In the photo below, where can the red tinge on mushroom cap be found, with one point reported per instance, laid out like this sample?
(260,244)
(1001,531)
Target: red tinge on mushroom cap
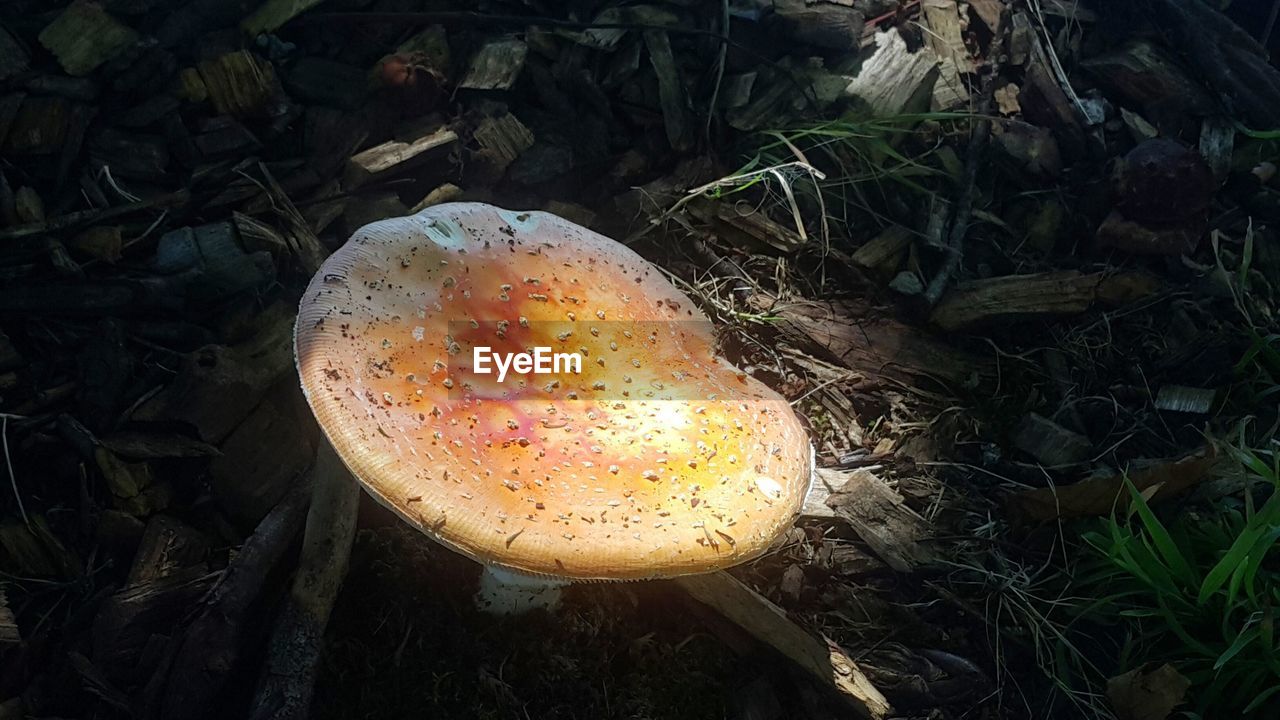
(658,459)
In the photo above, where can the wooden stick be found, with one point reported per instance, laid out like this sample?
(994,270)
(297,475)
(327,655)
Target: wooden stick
(202,657)
(768,623)
(288,679)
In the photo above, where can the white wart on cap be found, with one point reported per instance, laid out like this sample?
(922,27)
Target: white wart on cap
(659,459)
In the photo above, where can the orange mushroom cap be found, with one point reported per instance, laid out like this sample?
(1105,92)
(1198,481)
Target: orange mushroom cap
(657,459)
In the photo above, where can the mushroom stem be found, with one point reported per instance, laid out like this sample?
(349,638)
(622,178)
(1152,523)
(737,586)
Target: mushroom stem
(504,592)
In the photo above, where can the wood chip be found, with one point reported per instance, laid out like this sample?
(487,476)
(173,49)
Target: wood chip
(84,36)
(103,242)
(1147,693)
(1049,443)
(1043,99)
(155,446)
(9,634)
(238,83)
(1179,398)
(303,243)
(217,387)
(496,66)
(398,155)
(501,140)
(168,546)
(1217,143)
(988,11)
(448,192)
(884,251)
(36,551)
(39,126)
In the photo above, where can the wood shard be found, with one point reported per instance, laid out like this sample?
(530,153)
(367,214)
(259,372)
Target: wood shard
(882,251)
(894,79)
(1179,398)
(878,514)
(945,38)
(503,138)
(397,155)
(9,634)
(448,192)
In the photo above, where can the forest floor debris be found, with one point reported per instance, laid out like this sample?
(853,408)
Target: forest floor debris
(1017,265)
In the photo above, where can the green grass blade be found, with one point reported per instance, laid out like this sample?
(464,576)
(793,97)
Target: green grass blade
(1247,635)
(1262,697)
(1240,549)
(1164,543)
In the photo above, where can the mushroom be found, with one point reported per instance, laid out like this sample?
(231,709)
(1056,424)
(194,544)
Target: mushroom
(656,459)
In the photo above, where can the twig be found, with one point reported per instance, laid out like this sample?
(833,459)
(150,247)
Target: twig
(720,62)
(201,658)
(1055,64)
(85,217)
(303,243)
(978,141)
(13,479)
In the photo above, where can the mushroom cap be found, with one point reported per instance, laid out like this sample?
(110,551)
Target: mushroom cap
(658,459)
